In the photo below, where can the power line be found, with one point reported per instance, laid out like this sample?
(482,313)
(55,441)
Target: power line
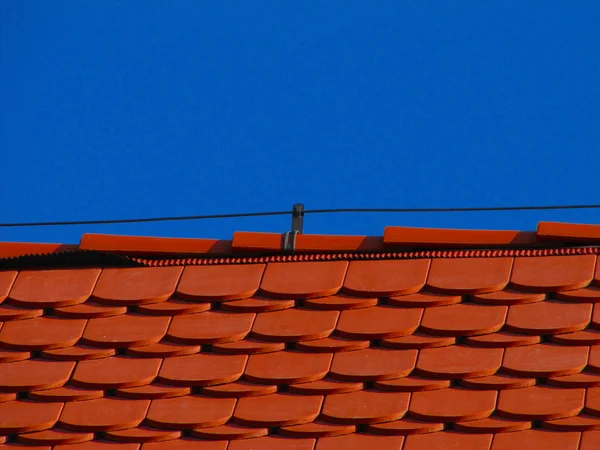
(308,211)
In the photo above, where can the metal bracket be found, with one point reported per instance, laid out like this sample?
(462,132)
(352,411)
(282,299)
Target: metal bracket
(289,238)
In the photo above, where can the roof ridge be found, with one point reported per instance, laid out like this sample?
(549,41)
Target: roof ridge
(548,234)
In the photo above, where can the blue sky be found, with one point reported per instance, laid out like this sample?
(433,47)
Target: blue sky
(119,109)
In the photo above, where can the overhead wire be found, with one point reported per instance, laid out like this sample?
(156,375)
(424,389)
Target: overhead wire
(308,211)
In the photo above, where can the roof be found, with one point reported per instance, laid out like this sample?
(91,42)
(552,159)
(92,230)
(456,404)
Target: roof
(418,339)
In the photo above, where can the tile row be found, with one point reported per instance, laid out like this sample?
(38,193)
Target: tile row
(472,411)
(549,317)
(492,367)
(298,280)
(171,440)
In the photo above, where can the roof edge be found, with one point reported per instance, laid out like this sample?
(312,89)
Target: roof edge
(548,234)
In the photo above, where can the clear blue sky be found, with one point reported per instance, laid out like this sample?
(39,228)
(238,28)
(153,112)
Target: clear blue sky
(118,109)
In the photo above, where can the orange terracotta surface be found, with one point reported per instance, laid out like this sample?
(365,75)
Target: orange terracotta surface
(439,349)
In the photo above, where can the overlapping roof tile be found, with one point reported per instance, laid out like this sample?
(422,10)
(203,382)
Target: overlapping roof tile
(420,339)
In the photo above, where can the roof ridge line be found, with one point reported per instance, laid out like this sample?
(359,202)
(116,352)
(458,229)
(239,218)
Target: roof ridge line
(86,258)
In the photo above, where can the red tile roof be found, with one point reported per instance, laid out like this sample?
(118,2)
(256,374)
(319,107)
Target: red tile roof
(420,339)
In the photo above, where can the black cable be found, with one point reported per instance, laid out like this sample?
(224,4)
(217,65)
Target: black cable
(308,211)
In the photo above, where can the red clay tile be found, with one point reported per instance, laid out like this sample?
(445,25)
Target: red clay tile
(418,340)
(248,347)
(252,241)
(540,403)
(54,437)
(447,237)
(378,322)
(77,353)
(163,350)
(116,372)
(340,302)
(238,389)
(65,394)
(404,426)
(272,443)
(53,288)
(412,384)
(230,431)
(373,364)
(424,300)
(356,441)
(492,425)
(31,374)
(136,286)
(210,327)
(325,387)
(12,356)
(287,367)
(12,249)
(548,317)
(128,330)
(457,361)
(173,307)
(589,440)
(41,333)
(181,444)
(594,358)
(452,404)
(331,344)
(498,381)
(463,320)
(89,310)
(103,414)
(99,445)
(8,397)
(592,401)
(502,339)
(278,409)
(303,279)
(187,412)
(582,422)
(257,304)
(363,407)
(142,434)
(568,232)
(7,279)
(587,295)
(153,245)
(224,282)
(553,273)
(596,317)
(544,360)
(153,391)
(25,416)
(448,440)
(202,369)
(9,312)
(508,297)
(576,380)
(294,325)
(469,275)
(316,430)
(387,277)
(535,439)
